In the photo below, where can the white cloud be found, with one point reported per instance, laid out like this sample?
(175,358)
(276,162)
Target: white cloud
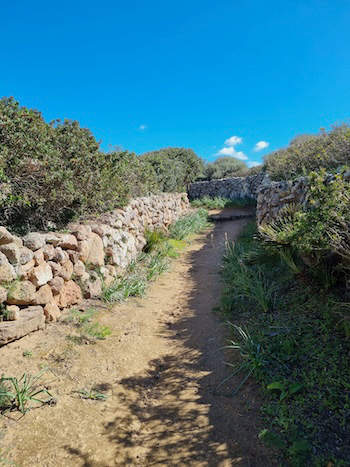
(142,127)
(253,164)
(230,151)
(260,145)
(233,141)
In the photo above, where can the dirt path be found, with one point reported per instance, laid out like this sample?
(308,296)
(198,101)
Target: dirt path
(159,368)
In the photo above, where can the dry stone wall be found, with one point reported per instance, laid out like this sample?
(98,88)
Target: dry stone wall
(230,188)
(274,196)
(45,272)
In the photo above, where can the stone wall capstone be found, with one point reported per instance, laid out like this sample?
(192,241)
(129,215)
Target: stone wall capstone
(229,188)
(44,272)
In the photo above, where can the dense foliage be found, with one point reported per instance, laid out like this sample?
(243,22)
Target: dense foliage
(225,167)
(53,172)
(290,331)
(318,231)
(329,150)
(174,168)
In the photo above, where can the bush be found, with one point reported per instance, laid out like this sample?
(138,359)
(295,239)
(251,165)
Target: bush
(56,171)
(321,227)
(225,167)
(174,168)
(329,150)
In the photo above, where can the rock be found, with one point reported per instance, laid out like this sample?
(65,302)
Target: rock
(51,238)
(56,268)
(12,252)
(5,236)
(73,256)
(41,274)
(17,240)
(7,271)
(21,293)
(79,268)
(66,270)
(83,249)
(60,255)
(39,257)
(43,295)
(67,241)
(16,254)
(49,252)
(3,294)
(26,255)
(24,269)
(80,231)
(34,241)
(52,312)
(12,312)
(93,287)
(30,319)
(56,284)
(91,250)
(70,294)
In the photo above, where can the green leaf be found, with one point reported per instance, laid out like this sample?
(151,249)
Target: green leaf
(276,386)
(271,439)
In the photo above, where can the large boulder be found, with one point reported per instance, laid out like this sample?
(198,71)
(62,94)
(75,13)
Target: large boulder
(43,295)
(5,236)
(91,250)
(7,271)
(21,293)
(70,294)
(34,241)
(41,274)
(30,319)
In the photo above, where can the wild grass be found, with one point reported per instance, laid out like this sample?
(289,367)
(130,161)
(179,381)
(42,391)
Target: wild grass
(221,203)
(21,393)
(155,258)
(189,224)
(87,325)
(291,337)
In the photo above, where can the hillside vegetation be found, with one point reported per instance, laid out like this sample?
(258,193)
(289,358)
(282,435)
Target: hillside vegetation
(53,172)
(328,149)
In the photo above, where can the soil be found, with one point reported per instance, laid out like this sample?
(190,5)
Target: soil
(160,369)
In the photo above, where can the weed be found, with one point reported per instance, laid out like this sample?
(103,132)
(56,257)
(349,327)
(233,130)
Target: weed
(83,320)
(19,393)
(27,353)
(92,395)
(124,287)
(189,224)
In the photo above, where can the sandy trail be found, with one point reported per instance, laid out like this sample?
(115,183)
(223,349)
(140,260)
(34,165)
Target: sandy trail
(159,368)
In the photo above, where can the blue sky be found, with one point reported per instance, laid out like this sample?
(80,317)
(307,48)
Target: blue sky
(149,74)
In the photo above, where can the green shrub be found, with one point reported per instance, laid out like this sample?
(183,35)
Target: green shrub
(320,227)
(53,172)
(329,150)
(225,167)
(174,168)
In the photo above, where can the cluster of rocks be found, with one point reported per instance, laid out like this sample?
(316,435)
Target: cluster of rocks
(229,188)
(43,273)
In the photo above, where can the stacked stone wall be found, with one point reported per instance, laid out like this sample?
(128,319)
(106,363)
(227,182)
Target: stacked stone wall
(45,272)
(229,188)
